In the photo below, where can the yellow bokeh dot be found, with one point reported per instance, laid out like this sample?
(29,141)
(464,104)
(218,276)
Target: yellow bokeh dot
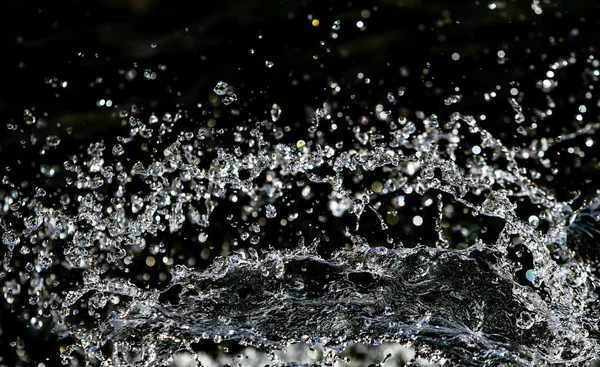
(315,22)
(376,186)
(392,219)
(300,143)
(150,261)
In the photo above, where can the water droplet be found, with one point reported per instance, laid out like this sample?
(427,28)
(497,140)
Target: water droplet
(275,112)
(11,238)
(270,211)
(452,99)
(221,88)
(33,222)
(47,170)
(39,192)
(390,97)
(149,74)
(52,140)
(10,289)
(118,149)
(229,99)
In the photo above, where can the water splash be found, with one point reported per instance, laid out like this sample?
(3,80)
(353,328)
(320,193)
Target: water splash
(465,304)
(527,296)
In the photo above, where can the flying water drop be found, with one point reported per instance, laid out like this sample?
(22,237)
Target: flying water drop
(275,112)
(221,88)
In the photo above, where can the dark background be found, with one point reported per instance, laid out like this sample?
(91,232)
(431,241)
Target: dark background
(94,44)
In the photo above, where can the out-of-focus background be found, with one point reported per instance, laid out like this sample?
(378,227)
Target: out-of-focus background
(70,67)
(61,59)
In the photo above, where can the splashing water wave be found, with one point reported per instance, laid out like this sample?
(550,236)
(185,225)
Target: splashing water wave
(528,296)
(465,304)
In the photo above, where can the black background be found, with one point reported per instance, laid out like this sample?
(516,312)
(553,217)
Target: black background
(201,43)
